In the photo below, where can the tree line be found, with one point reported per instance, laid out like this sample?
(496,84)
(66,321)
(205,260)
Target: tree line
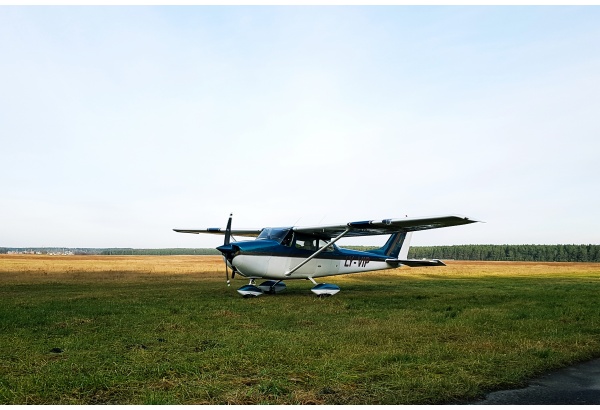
(168,251)
(533,253)
(111,251)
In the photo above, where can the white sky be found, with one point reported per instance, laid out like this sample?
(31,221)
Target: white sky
(118,124)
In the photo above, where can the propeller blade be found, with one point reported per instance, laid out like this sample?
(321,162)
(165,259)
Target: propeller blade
(228,231)
(227,241)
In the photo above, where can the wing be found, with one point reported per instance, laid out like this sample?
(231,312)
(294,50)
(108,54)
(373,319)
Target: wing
(221,231)
(386,226)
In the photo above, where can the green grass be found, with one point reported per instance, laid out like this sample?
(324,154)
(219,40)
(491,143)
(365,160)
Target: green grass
(423,337)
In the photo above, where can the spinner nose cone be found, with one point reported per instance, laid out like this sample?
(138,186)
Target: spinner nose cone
(225,248)
(228,249)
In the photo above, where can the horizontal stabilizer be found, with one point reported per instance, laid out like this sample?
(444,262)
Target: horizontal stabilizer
(413,263)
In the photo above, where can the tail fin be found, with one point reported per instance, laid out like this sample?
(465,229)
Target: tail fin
(403,254)
(396,246)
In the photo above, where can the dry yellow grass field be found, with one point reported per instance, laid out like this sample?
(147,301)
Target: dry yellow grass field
(36,267)
(32,267)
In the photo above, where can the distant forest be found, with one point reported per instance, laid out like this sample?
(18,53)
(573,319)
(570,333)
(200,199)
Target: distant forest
(534,253)
(171,251)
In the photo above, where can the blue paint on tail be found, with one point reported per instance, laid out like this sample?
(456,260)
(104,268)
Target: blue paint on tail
(394,245)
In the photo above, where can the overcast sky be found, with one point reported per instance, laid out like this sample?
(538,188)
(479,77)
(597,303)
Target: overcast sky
(118,124)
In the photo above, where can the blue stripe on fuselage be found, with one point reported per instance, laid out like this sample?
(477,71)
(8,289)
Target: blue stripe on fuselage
(273,248)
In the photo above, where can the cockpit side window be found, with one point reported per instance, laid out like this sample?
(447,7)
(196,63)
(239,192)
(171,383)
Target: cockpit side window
(311,243)
(322,243)
(288,239)
(306,243)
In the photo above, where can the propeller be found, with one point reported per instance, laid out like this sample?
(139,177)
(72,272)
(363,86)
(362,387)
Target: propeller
(226,242)
(228,231)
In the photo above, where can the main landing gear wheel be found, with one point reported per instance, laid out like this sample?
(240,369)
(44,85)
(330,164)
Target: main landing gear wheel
(325,289)
(272,287)
(269,287)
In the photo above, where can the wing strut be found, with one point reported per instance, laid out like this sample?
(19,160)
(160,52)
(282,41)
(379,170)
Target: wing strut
(301,264)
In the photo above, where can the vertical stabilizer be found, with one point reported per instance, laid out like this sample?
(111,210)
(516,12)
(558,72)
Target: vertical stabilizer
(405,245)
(397,244)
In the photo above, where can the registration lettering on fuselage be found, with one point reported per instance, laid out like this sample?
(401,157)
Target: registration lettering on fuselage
(360,261)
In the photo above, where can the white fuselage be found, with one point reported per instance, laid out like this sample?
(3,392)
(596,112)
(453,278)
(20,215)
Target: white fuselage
(275,267)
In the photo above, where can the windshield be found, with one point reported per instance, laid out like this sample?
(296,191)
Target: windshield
(274,234)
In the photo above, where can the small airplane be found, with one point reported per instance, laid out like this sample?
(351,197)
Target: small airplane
(278,254)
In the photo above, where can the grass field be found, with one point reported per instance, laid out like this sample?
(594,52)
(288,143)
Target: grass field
(154,330)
